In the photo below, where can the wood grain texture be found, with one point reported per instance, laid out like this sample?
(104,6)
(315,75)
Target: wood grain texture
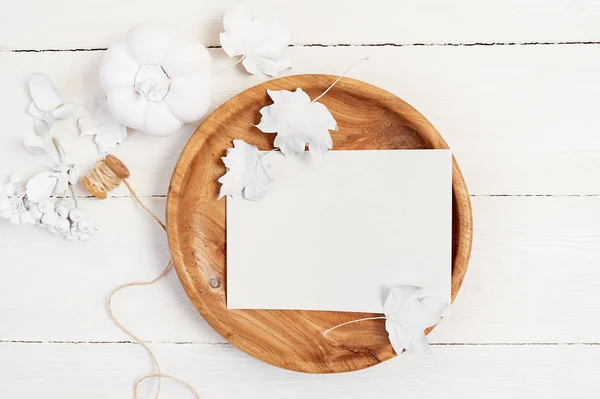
(73,24)
(52,290)
(522,120)
(106,371)
(368,118)
(510,142)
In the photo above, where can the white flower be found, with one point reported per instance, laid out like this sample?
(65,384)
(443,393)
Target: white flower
(298,122)
(260,41)
(409,311)
(247,173)
(107,131)
(47,103)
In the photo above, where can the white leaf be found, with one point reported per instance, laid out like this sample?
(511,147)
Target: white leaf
(62,182)
(106,130)
(41,186)
(298,122)
(409,311)
(247,172)
(64,111)
(260,41)
(43,93)
(36,144)
(36,112)
(42,121)
(47,103)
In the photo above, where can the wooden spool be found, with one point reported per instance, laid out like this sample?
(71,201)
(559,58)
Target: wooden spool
(118,168)
(368,118)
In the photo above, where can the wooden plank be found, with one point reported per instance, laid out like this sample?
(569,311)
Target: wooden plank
(519,119)
(39,24)
(532,277)
(109,371)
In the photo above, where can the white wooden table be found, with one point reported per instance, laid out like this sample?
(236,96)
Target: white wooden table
(513,86)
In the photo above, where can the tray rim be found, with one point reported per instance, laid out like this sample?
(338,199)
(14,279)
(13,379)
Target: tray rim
(459,189)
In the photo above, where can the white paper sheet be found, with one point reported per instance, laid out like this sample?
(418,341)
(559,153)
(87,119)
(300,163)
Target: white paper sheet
(335,235)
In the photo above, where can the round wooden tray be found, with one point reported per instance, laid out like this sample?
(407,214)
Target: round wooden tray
(368,118)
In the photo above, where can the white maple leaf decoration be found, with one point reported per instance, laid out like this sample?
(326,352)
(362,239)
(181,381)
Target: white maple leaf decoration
(47,105)
(409,311)
(107,131)
(247,172)
(298,122)
(260,41)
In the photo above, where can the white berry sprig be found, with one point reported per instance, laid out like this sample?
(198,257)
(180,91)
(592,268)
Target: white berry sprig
(43,202)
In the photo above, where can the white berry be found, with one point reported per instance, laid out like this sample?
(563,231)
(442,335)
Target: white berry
(83,225)
(76,214)
(27,219)
(6,214)
(35,213)
(15,219)
(10,188)
(63,226)
(46,206)
(62,211)
(50,219)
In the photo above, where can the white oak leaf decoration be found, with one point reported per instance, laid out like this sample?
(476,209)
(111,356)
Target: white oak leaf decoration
(107,131)
(47,105)
(247,172)
(260,41)
(409,311)
(298,122)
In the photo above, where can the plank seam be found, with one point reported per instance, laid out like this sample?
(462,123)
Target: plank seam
(125,342)
(470,195)
(535,195)
(227,344)
(449,44)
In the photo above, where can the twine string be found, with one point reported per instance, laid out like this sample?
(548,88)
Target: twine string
(135,196)
(159,376)
(351,322)
(229,66)
(340,77)
(105,179)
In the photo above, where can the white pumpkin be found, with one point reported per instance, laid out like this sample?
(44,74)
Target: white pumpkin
(155,80)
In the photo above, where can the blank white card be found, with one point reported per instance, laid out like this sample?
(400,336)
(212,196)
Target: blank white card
(336,235)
